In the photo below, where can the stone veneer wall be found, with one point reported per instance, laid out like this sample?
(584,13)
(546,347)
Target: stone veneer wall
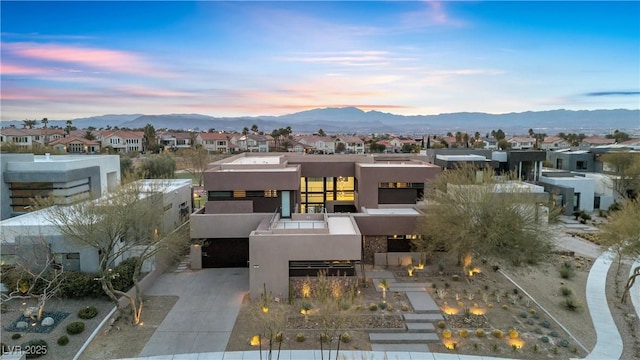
(372,245)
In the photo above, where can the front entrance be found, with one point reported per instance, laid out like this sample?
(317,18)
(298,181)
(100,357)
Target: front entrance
(224,253)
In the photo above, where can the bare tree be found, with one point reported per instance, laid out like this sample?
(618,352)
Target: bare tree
(35,275)
(624,167)
(196,161)
(125,223)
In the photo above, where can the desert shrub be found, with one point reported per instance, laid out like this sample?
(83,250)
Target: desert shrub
(35,348)
(535,348)
(524,314)
(532,311)
(564,343)
(513,334)
(88,312)
(536,316)
(373,307)
(571,304)
(544,339)
(545,324)
(464,333)
(497,333)
(567,271)
(382,305)
(279,337)
(446,285)
(565,291)
(530,322)
(446,334)
(389,308)
(75,328)
(442,324)
(16,336)
(345,338)
(324,338)
(63,340)
(505,307)
(554,333)
(480,333)
(300,337)
(405,307)
(538,331)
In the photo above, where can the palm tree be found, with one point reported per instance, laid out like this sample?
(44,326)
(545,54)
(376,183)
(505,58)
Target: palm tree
(28,124)
(89,135)
(245,130)
(67,129)
(254,128)
(45,122)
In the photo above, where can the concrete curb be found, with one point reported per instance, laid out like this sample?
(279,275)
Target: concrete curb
(94,333)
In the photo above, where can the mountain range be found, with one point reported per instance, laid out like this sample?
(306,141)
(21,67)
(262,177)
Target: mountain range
(354,120)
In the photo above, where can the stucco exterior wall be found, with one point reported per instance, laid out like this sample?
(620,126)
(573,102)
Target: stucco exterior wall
(205,226)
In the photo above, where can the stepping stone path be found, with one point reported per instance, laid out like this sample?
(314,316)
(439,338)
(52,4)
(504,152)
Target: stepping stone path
(420,325)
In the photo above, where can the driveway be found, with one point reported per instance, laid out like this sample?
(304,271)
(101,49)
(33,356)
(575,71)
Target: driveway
(203,317)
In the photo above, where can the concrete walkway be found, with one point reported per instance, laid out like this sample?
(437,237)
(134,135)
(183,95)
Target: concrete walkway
(316,355)
(204,316)
(608,343)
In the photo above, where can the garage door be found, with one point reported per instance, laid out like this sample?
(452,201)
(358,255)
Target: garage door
(221,253)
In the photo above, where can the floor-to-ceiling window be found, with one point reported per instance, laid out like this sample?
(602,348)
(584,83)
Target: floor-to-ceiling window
(316,191)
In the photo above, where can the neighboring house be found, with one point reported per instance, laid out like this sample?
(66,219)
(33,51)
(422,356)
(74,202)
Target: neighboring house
(175,140)
(16,137)
(292,214)
(34,228)
(522,143)
(576,160)
(593,141)
(352,144)
(571,191)
(64,178)
(554,143)
(298,147)
(318,144)
(490,143)
(76,145)
(253,143)
(213,142)
(123,141)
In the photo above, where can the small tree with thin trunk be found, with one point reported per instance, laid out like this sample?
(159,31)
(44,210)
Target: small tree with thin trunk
(123,224)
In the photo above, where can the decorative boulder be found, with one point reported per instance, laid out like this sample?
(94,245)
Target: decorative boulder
(48,321)
(22,325)
(30,311)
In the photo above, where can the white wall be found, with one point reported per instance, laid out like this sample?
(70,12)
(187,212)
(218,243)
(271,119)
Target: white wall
(583,185)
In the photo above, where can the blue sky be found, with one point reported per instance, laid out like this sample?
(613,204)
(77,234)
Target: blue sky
(65,60)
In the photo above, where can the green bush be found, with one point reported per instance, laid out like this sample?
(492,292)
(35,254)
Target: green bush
(545,324)
(80,285)
(300,337)
(16,336)
(382,305)
(88,312)
(75,328)
(63,340)
(554,333)
(373,307)
(35,348)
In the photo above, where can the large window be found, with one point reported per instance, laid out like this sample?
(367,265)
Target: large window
(316,191)
(581,165)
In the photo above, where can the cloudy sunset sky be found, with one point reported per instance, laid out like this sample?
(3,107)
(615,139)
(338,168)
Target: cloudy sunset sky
(65,60)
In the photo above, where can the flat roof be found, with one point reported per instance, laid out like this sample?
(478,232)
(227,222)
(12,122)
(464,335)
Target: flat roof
(340,225)
(248,160)
(284,169)
(393,164)
(392,211)
(300,224)
(469,157)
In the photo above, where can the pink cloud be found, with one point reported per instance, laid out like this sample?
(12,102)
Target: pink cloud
(95,58)
(13,69)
